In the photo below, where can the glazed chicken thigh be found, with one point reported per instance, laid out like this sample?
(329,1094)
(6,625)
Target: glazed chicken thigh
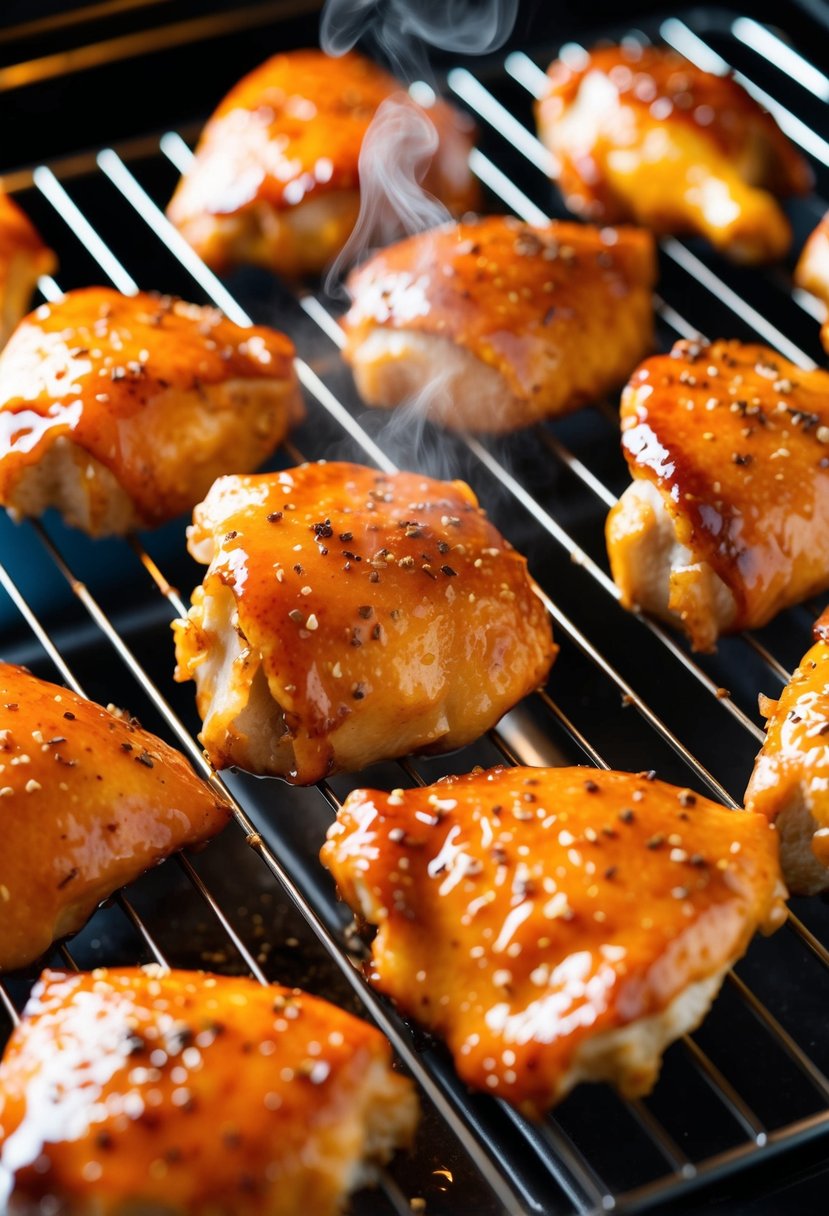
(349,616)
(88,801)
(554,925)
(790,782)
(144,1091)
(493,324)
(727,519)
(642,134)
(275,180)
(23,259)
(122,410)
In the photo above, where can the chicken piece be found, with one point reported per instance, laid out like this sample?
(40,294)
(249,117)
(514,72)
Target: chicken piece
(641,134)
(554,925)
(23,259)
(727,519)
(349,616)
(812,270)
(122,410)
(275,180)
(493,324)
(89,801)
(140,1090)
(790,782)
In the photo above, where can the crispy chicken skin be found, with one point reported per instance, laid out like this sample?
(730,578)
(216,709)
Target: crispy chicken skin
(122,410)
(727,519)
(349,616)
(275,180)
(790,782)
(641,134)
(812,270)
(184,1094)
(23,259)
(554,925)
(493,324)
(88,801)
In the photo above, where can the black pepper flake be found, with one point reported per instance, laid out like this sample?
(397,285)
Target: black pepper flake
(231,535)
(355,639)
(323,530)
(697,859)
(296,616)
(298,568)
(591,787)
(13,707)
(365,611)
(443,546)
(374,577)
(611,872)
(376,633)
(686,798)
(448,571)
(655,842)
(274,517)
(610,832)
(346,536)
(67,878)
(627,815)
(739,458)
(358,692)
(126,747)
(146,759)
(69,715)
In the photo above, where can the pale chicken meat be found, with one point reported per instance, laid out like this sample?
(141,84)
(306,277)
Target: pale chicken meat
(145,1091)
(88,801)
(790,782)
(554,925)
(275,180)
(349,616)
(492,324)
(727,519)
(122,410)
(812,270)
(641,134)
(23,259)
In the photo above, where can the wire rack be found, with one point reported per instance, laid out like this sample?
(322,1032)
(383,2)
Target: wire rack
(625,691)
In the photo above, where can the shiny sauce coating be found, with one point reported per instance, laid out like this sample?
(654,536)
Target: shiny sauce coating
(737,439)
(522,911)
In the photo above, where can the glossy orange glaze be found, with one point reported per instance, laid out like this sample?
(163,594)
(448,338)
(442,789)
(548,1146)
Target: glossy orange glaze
(291,131)
(136,1090)
(793,764)
(812,270)
(23,259)
(521,911)
(562,311)
(88,800)
(120,377)
(641,133)
(385,610)
(737,439)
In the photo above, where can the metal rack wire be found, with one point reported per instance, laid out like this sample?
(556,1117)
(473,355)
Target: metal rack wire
(554,1166)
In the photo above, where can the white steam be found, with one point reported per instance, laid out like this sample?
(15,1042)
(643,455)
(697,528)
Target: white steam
(403,29)
(395,156)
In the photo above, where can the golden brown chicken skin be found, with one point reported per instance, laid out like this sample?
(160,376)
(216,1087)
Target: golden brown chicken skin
(88,801)
(275,180)
(122,410)
(790,782)
(23,259)
(554,925)
(727,519)
(642,134)
(191,1095)
(349,616)
(494,324)
(812,270)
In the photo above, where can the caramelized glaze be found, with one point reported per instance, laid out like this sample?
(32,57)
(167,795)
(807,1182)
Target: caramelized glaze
(792,769)
(385,611)
(289,133)
(561,312)
(642,134)
(737,440)
(195,1095)
(88,801)
(23,259)
(141,384)
(522,912)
